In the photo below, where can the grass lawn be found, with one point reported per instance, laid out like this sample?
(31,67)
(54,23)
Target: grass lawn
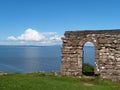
(47,81)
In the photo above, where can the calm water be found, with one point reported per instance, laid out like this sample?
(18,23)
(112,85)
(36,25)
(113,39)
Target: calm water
(89,54)
(31,59)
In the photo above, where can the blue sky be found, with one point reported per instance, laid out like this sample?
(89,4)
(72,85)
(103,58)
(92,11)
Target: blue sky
(49,19)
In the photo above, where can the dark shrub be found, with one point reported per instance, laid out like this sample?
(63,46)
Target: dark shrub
(88,69)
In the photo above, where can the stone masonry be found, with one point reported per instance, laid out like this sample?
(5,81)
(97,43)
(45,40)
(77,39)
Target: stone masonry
(107,54)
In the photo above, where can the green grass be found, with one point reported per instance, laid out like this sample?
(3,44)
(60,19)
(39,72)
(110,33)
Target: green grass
(47,81)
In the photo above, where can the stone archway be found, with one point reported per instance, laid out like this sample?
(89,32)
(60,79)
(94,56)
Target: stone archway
(107,44)
(89,59)
(90,38)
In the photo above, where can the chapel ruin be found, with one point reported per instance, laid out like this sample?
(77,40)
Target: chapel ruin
(107,53)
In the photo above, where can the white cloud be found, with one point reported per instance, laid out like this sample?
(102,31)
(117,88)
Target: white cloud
(28,35)
(34,37)
(11,38)
(31,35)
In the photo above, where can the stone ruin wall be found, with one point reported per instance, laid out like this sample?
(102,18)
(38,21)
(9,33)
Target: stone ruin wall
(107,54)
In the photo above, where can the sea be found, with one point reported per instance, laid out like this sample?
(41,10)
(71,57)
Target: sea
(25,59)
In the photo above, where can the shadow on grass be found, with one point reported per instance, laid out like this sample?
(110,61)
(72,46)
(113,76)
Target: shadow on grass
(88,73)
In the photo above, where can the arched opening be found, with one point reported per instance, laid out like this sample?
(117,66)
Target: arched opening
(88,59)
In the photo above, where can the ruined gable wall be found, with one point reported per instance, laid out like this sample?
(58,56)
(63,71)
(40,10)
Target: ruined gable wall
(107,59)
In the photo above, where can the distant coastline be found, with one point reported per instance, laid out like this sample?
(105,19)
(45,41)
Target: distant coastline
(30,45)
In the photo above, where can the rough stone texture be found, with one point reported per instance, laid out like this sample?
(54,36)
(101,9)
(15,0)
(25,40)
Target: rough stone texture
(107,58)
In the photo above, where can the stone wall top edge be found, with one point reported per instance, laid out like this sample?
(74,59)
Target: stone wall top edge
(113,31)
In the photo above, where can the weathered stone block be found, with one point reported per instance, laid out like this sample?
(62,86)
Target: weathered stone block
(118,59)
